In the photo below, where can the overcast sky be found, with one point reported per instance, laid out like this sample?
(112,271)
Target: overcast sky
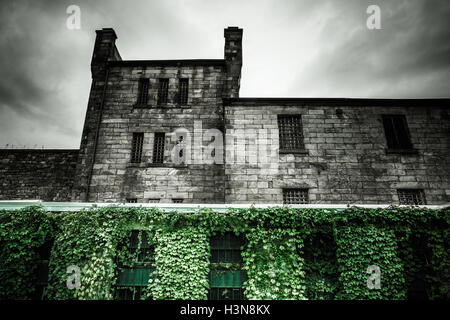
(291,48)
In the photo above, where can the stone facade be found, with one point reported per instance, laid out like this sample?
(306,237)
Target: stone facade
(46,175)
(344,160)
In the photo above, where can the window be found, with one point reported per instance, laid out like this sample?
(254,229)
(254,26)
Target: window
(177,200)
(42,271)
(295,196)
(183,91)
(290,133)
(134,277)
(226,276)
(136,148)
(163,91)
(153,200)
(396,131)
(158,147)
(143,92)
(132,200)
(411,196)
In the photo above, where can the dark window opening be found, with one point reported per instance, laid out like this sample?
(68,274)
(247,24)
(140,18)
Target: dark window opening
(295,196)
(320,264)
(143,92)
(416,256)
(132,200)
(177,200)
(411,197)
(226,277)
(183,91)
(134,277)
(158,147)
(163,91)
(396,131)
(42,271)
(290,132)
(136,147)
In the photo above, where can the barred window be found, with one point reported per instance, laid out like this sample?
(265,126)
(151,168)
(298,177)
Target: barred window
(183,91)
(290,132)
(143,91)
(295,196)
(396,131)
(132,200)
(226,276)
(134,275)
(411,196)
(177,200)
(163,91)
(158,147)
(136,148)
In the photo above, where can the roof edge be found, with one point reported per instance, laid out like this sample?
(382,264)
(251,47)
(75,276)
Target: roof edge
(178,62)
(361,102)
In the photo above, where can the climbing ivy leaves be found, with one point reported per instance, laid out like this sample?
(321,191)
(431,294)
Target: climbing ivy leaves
(288,253)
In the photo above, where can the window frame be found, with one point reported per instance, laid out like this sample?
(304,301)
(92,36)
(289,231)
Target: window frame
(142,95)
(303,191)
(411,194)
(138,245)
(163,91)
(159,148)
(285,136)
(392,133)
(183,92)
(229,267)
(137,147)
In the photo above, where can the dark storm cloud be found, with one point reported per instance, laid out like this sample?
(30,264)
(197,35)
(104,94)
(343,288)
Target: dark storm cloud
(305,48)
(408,58)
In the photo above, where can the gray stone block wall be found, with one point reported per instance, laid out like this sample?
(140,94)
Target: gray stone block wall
(345,160)
(46,175)
(115,178)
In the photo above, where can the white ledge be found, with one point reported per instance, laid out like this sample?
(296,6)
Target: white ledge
(190,207)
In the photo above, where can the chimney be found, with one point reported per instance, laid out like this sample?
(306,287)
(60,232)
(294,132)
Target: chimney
(233,58)
(104,50)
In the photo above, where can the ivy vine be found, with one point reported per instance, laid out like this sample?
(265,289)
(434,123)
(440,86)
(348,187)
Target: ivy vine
(288,253)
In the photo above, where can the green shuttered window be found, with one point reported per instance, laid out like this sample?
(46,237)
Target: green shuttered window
(132,280)
(226,277)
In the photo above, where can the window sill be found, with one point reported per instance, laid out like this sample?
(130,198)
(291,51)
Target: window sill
(155,165)
(402,151)
(166,165)
(142,106)
(293,151)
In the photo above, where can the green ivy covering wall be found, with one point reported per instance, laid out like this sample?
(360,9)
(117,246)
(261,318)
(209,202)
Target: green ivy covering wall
(288,253)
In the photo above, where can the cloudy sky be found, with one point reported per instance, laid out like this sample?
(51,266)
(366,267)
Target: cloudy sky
(291,48)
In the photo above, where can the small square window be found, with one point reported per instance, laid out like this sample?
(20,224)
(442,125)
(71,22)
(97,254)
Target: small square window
(295,196)
(411,197)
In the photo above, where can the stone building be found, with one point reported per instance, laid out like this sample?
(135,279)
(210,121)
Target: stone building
(177,131)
